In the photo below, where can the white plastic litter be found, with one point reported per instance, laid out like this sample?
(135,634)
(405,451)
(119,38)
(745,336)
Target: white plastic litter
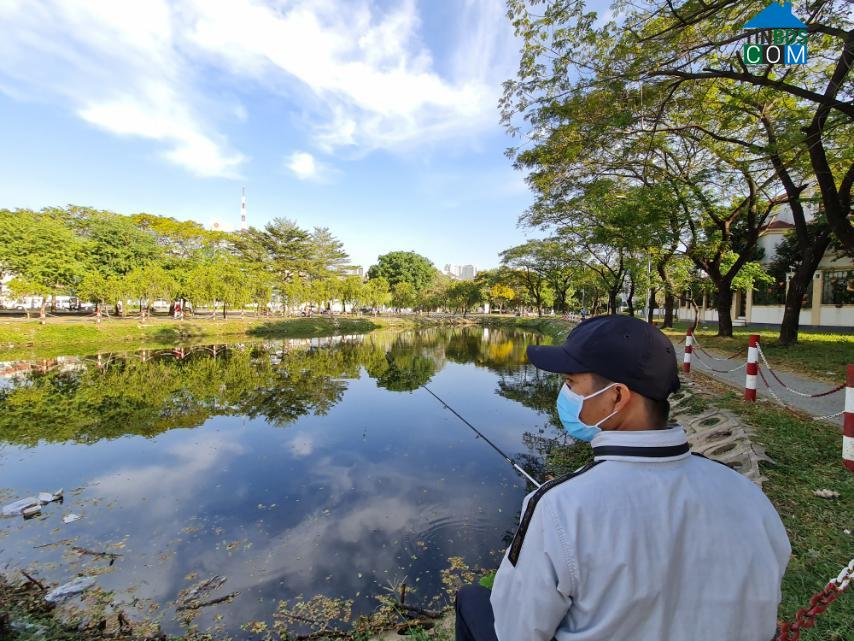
(17,508)
(23,505)
(826,494)
(70,518)
(70,589)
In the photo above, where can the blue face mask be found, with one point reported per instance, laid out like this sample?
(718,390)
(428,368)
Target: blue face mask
(569,406)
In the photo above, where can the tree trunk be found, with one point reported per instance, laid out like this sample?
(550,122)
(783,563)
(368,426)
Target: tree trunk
(798,285)
(650,305)
(223,310)
(631,301)
(612,301)
(723,303)
(669,303)
(669,297)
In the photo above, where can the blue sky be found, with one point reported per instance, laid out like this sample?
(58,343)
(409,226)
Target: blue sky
(377,119)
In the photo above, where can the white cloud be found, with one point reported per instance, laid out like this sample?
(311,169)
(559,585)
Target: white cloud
(306,167)
(119,67)
(356,76)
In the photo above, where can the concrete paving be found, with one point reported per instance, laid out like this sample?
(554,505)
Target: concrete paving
(822,406)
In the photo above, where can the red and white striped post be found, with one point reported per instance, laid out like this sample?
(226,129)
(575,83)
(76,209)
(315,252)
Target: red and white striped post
(689,347)
(752,368)
(848,425)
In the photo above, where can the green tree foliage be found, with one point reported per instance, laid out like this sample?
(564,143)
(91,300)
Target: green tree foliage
(404,267)
(44,253)
(464,295)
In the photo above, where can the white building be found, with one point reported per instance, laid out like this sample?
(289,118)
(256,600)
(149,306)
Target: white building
(829,300)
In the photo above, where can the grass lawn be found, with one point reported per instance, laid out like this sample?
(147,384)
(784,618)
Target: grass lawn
(807,456)
(822,355)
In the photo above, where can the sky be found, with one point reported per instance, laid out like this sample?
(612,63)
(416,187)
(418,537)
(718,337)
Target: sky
(375,118)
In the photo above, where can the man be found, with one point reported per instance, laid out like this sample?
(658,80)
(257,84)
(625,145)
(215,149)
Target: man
(648,542)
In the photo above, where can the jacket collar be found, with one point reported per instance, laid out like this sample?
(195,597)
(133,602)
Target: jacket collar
(641,446)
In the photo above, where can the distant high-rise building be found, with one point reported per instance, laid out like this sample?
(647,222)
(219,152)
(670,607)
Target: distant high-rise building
(354,270)
(243,223)
(462,272)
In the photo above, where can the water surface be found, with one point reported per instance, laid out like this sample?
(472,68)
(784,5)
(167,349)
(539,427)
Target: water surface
(315,466)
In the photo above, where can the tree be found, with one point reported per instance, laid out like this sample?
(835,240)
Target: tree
(403,295)
(149,283)
(328,257)
(501,295)
(295,292)
(282,246)
(43,252)
(116,245)
(524,260)
(377,293)
(352,291)
(466,294)
(680,49)
(404,267)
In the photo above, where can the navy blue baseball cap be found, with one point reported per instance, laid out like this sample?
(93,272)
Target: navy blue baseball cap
(623,349)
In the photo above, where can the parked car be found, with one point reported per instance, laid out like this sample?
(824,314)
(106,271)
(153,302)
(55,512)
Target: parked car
(160,306)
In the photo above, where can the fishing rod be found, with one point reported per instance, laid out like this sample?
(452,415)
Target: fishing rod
(473,428)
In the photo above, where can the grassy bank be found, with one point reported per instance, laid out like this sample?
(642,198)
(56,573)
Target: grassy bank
(22,338)
(551,326)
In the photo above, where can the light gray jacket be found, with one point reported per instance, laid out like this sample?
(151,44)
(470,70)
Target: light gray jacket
(651,543)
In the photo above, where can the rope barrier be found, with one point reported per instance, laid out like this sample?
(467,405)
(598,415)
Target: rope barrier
(727,358)
(794,391)
(805,617)
(719,371)
(782,403)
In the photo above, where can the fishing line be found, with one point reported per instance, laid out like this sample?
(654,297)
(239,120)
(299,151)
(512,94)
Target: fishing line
(476,431)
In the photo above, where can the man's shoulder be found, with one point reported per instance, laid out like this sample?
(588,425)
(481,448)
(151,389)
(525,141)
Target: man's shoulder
(555,487)
(544,493)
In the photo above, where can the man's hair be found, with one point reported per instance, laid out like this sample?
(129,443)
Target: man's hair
(658,411)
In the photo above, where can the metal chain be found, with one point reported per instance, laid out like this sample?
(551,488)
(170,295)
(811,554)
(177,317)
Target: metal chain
(719,371)
(768,387)
(824,418)
(805,617)
(794,391)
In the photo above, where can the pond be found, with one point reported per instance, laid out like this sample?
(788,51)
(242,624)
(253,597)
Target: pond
(289,467)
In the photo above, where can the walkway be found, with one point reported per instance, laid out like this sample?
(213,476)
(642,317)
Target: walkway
(821,406)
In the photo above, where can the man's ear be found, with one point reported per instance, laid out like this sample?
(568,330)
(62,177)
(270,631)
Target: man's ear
(624,396)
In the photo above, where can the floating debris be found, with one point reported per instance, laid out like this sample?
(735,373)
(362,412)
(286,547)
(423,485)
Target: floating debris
(32,511)
(70,589)
(17,508)
(70,518)
(30,506)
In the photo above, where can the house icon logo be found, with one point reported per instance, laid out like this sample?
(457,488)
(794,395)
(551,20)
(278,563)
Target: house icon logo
(775,36)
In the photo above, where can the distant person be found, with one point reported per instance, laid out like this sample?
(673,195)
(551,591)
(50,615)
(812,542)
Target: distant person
(583,313)
(646,543)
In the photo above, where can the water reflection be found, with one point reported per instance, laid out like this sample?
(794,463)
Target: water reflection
(179,460)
